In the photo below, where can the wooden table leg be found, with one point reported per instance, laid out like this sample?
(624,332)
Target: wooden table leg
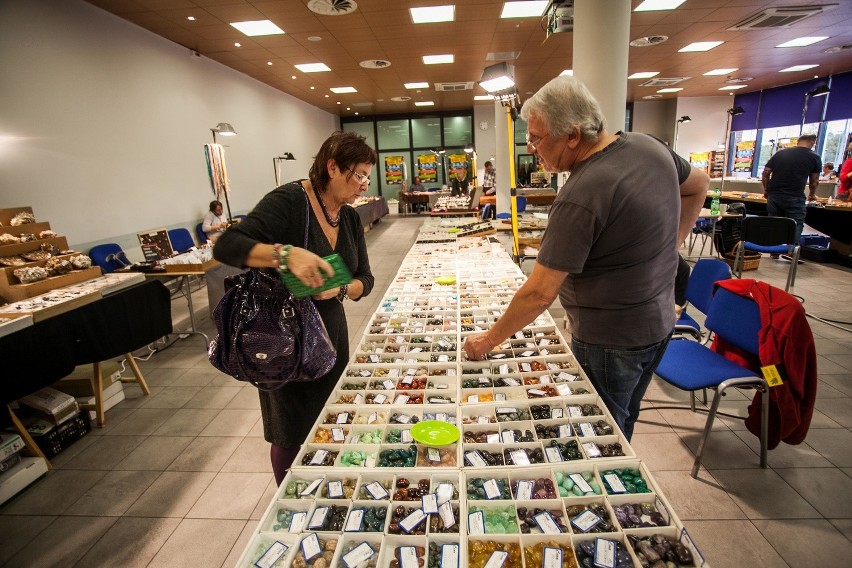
(137,373)
(25,436)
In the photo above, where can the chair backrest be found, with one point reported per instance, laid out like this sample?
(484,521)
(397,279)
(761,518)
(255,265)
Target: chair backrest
(486,211)
(769,231)
(181,239)
(474,198)
(99,254)
(522,203)
(199,232)
(705,274)
(734,318)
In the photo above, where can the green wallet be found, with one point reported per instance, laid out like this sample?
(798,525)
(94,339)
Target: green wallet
(341,276)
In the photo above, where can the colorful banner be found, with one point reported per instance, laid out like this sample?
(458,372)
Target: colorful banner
(458,162)
(427,168)
(744,156)
(393,170)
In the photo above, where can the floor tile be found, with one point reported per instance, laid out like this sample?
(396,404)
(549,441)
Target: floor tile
(265,500)
(105,452)
(833,444)
(172,494)
(130,542)
(734,544)
(112,495)
(804,543)
(252,455)
(195,377)
(205,454)
(827,366)
(785,455)
(155,453)
(113,417)
(186,422)
(77,535)
(701,498)
(842,359)
(662,451)
(820,420)
(143,422)
(651,421)
(240,545)
(53,493)
(723,449)
(170,397)
(246,399)
(842,383)
(18,530)
(829,490)
(230,496)
(844,526)
(191,544)
(160,377)
(837,409)
(72,451)
(213,397)
(763,494)
(231,422)
(256,430)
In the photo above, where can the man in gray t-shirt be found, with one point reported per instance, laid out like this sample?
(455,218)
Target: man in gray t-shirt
(610,249)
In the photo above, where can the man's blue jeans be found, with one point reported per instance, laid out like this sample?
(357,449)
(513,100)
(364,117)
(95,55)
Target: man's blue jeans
(792,206)
(620,375)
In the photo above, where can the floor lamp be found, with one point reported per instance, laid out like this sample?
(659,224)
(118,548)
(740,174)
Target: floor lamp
(681,120)
(224,129)
(732,112)
(276,165)
(819,91)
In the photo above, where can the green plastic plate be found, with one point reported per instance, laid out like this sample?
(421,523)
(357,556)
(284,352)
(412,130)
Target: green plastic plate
(454,230)
(446,280)
(434,433)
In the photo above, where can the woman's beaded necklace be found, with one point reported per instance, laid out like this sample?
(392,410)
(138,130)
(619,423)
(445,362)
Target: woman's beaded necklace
(331,221)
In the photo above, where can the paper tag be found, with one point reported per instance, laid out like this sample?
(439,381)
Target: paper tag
(337,434)
(492,489)
(506,410)
(575,411)
(661,508)
(439,400)
(565,431)
(546,523)
(507,437)
(615,484)
(441,417)
(581,482)
(394,373)
(335,489)
(556,413)
(586,521)
(476,523)
(449,554)
(563,389)
(500,397)
(552,557)
(504,369)
(311,547)
(497,560)
(272,555)
(496,355)
(353,523)
(444,492)
(592,450)
(553,454)
(311,488)
(686,540)
(445,511)
(407,379)
(527,353)
(357,555)
(519,335)
(484,381)
(545,379)
(443,358)
(526,367)
(524,491)
(475,459)
(605,553)
(359,398)
(566,377)
(388,384)
(406,437)
(403,418)
(444,343)
(483,420)
(492,438)
(410,372)
(374,358)
(544,341)
(772,376)
(410,522)
(586,429)
(400,399)
(433,455)
(399,339)
(429,503)
(417,350)
(365,373)
(408,557)
(519,457)
(376,490)
(473,398)
(380,398)
(510,382)
(342,418)
(318,518)
(297,522)
(372,418)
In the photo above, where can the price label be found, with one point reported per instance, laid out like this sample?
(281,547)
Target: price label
(581,482)
(272,555)
(399,339)
(586,429)
(376,490)
(605,553)
(406,437)
(407,379)
(441,417)
(496,355)
(686,540)
(475,459)
(519,457)
(311,547)
(504,369)
(403,418)
(615,484)
(537,392)
(443,358)
(380,398)
(497,559)
(556,413)
(492,489)
(519,335)
(543,341)
(492,438)
(476,523)
(343,418)
(433,455)
(592,450)
(527,353)
(444,492)
(408,557)
(312,487)
(449,555)
(394,373)
(482,420)
(359,398)
(355,520)
(566,377)
(400,399)
(586,521)
(500,397)
(365,373)
(563,389)
(335,489)
(388,384)
(374,358)
(575,411)
(473,398)
(372,418)
(661,508)
(524,491)
(297,522)
(552,557)
(506,410)
(318,518)
(565,431)
(507,437)
(417,350)
(439,400)
(484,381)
(429,503)
(553,454)
(546,523)
(410,522)
(526,367)
(337,434)
(445,511)
(545,379)
(357,555)
(510,382)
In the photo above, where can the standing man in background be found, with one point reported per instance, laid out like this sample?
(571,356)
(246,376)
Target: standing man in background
(784,179)
(489,179)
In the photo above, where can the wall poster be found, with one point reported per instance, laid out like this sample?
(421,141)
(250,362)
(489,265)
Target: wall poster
(458,162)
(427,168)
(393,170)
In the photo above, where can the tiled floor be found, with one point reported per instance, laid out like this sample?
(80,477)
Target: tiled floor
(180,478)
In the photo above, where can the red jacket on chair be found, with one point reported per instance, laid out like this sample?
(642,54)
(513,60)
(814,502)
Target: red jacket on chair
(784,340)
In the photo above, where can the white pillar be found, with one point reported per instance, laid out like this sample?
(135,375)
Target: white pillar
(601,43)
(502,138)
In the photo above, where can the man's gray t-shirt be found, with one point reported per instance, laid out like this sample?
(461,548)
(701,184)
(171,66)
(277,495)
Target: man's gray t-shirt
(613,228)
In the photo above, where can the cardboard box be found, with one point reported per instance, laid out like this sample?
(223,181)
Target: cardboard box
(55,404)
(21,475)
(10,443)
(79,382)
(110,399)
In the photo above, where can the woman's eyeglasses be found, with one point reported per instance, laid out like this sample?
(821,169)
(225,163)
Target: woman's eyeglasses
(361,178)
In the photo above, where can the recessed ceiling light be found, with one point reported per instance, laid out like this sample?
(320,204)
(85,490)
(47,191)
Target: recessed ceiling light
(802,41)
(532,9)
(191,18)
(417,85)
(732,87)
(347,108)
(258,28)
(435,59)
(339,90)
(356,113)
(327,96)
(424,103)
(797,68)
(644,75)
(269,63)
(653,5)
(237,44)
(314,38)
(722,71)
(312,67)
(433,14)
(670,90)
(700,46)
(569,72)
(338,102)
(312,88)
(483,98)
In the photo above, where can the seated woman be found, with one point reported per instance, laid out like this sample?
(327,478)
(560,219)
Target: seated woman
(213,223)
(828,173)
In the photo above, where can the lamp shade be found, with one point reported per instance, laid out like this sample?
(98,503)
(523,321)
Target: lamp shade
(736,110)
(469,149)
(287,156)
(498,77)
(225,129)
(684,118)
(819,91)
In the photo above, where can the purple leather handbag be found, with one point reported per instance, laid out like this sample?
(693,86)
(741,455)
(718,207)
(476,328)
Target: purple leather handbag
(265,336)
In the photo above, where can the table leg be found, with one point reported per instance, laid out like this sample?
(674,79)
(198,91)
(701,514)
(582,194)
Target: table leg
(25,436)
(192,328)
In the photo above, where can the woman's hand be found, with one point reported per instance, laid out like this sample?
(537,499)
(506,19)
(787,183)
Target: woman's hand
(477,346)
(309,268)
(327,295)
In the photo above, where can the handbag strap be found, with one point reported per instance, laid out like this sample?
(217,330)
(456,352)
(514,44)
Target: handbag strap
(307,216)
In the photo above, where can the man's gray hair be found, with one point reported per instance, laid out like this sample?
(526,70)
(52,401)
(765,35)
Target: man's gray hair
(563,104)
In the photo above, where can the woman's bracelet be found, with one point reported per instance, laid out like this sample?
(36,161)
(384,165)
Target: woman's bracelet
(281,253)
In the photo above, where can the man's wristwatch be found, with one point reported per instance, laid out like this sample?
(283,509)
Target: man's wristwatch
(342,293)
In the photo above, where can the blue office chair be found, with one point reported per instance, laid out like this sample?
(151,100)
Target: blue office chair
(522,203)
(772,235)
(199,232)
(691,366)
(181,239)
(109,257)
(699,293)
(486,211)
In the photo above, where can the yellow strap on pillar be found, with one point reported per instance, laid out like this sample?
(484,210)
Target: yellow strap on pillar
(516,250)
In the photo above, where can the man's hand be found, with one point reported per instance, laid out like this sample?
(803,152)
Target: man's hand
(477,346)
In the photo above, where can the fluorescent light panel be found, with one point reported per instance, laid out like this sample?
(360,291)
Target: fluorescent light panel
(258,28)
(569,72)
(432,14)
(436,59)
(722,71)
(802,41)
(670,90)
(483,98)
(497,84)
(732,87)
(644,75)
(312,67)
(654,5)
(340,90)
(795,68)
(417,85)
(700,46)
(532,9)
(424,103)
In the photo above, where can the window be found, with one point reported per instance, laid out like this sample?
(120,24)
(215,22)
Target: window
(457,131)
(426,132)
(365,129)
(836,134)
(393,134)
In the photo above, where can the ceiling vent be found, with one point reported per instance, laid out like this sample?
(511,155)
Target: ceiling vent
(362,104)
(454,86)
(735,80)
(375,64)
(664,81)
(502,55)
(400,99)
(332,7)
(779,17)
(648,40)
